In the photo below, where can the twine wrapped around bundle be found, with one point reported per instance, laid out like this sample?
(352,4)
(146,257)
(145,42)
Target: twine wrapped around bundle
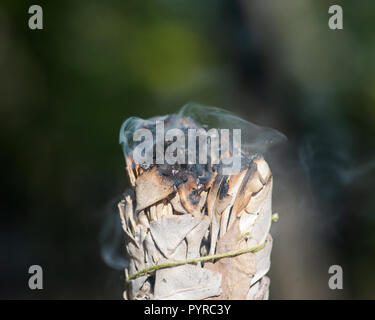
(193,233)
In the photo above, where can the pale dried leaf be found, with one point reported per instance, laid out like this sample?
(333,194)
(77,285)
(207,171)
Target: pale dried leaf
(260,290)
(262,261)
(237,271)
(195,236)
(259,229)
(169,232)
(151,187)
(176,203)
(186,282)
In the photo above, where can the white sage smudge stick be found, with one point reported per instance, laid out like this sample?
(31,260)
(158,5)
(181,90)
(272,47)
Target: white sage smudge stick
(192,232)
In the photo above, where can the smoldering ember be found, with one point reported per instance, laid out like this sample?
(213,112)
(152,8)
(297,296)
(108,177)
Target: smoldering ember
(170,147)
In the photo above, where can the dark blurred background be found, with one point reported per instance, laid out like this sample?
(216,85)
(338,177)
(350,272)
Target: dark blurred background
(66,89)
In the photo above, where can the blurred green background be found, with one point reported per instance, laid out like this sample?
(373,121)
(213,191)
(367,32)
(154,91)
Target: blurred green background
(66,89)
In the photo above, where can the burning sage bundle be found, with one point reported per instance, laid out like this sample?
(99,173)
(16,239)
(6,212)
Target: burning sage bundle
(198,215)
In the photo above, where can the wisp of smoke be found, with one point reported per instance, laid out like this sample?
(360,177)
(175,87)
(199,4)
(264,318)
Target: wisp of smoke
(111,239)
(254,138)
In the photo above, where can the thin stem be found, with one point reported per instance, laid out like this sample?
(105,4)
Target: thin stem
(193,260)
